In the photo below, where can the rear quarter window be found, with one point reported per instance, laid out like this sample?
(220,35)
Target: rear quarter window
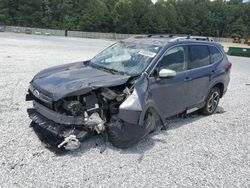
(215,54)
(200,56)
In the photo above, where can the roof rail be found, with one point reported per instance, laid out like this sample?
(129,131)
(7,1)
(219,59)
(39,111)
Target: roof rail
(192,38)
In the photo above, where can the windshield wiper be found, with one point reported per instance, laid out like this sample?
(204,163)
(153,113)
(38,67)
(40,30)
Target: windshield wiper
(113,71)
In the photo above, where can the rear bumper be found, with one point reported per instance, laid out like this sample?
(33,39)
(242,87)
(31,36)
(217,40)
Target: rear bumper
(226,83)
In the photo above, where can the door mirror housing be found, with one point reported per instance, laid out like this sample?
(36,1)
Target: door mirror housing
(166,73)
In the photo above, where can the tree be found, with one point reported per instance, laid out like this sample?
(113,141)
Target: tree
(193,17)
(141,14)
(94,16)
(123,17)
(3,11)
(30,13)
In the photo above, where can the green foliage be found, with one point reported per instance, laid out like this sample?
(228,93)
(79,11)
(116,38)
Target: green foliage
(93,16)
(194,17)
(123,17)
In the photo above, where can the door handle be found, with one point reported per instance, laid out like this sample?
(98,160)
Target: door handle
(187,79)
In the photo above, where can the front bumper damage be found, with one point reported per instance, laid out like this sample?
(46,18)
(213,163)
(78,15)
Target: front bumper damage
(75,100)
(119,114)
(68,136)
(57,117)
(68,130)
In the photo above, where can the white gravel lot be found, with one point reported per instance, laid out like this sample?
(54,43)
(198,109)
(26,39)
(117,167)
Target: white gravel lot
(197,151)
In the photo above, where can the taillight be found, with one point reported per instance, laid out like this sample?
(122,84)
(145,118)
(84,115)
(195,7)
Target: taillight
(229,66)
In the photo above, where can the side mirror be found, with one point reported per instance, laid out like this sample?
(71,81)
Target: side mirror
(167,73)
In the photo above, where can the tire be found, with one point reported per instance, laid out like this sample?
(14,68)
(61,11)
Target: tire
(212,102)
(124,135)
(150,121)
(117,140)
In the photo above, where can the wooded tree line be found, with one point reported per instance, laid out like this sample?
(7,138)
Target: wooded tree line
(195,17)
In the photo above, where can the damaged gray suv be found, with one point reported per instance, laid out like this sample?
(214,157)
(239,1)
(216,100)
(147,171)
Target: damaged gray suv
(129,89)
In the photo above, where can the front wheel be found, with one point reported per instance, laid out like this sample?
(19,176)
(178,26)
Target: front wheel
(212,101)
(124,135)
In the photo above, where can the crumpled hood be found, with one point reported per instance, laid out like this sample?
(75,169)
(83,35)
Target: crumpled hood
(74,79)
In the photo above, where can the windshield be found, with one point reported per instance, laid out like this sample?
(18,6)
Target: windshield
(125,58)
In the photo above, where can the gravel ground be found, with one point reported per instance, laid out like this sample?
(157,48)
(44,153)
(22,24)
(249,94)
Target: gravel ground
(196,151)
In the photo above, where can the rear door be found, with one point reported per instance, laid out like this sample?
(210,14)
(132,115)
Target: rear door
(201,72)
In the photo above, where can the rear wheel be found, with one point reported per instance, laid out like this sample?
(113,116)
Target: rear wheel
(212,101)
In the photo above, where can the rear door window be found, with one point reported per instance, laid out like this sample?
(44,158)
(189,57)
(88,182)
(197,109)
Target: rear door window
(215,54)
(200,56)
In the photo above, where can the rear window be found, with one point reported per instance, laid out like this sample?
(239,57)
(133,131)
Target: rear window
(215,54)
(200,56)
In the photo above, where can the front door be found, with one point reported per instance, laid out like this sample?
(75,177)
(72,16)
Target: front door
(172,95)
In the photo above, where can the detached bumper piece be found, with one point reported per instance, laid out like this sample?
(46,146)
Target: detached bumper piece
(67,136)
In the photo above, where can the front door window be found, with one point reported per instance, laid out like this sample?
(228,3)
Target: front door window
(175,59)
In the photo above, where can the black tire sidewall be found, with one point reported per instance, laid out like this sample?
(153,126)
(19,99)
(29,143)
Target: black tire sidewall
(204,110)
(126,135)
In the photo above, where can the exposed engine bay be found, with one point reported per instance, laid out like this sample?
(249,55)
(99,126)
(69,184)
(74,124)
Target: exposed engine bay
(73,118)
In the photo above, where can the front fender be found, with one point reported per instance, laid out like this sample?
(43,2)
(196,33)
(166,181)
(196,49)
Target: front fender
(137,117)
(151,105)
